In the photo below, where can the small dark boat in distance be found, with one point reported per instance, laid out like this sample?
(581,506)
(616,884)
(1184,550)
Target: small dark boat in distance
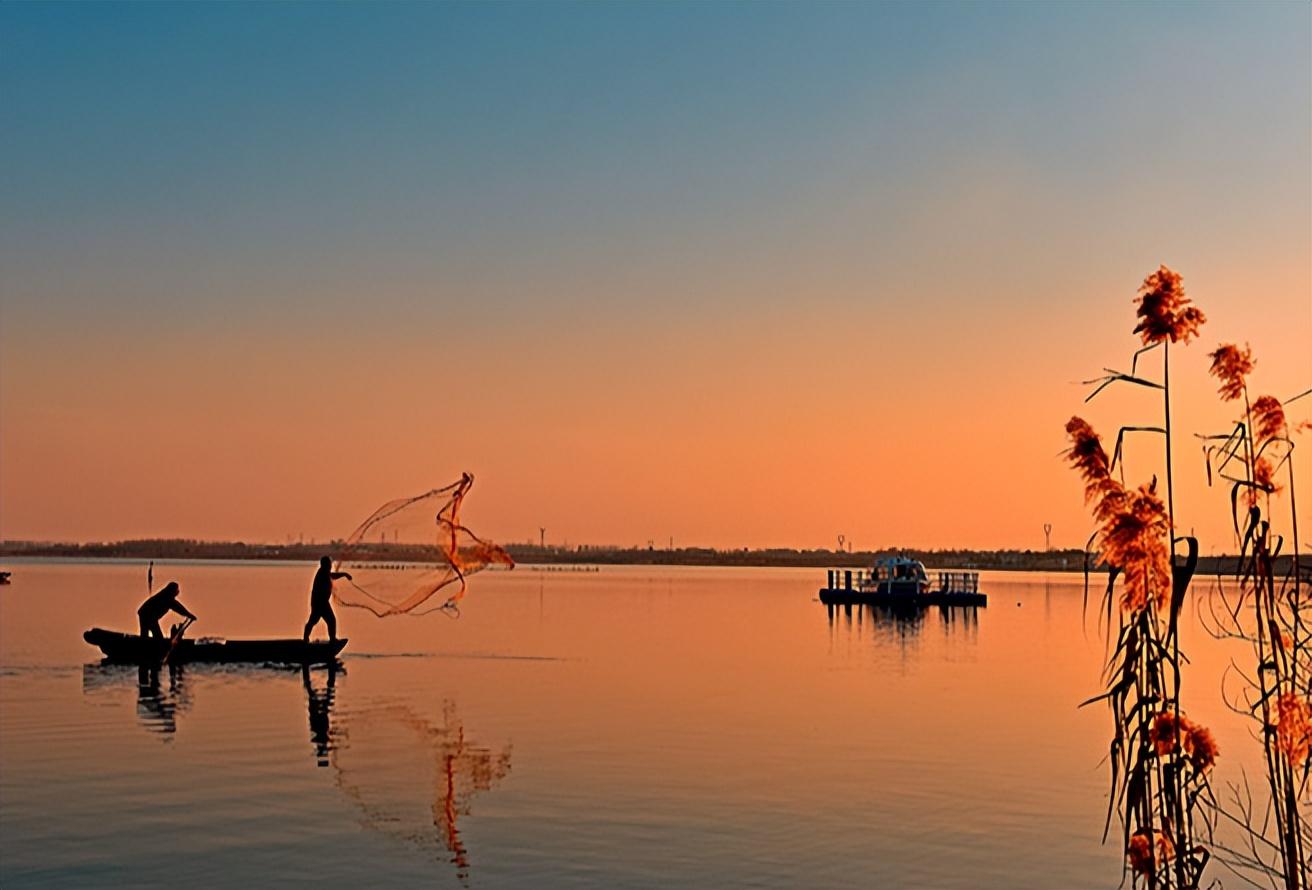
(899,581)
(132,649)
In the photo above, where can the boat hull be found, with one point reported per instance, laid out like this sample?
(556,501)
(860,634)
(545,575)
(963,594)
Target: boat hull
(842,596)
(124,648)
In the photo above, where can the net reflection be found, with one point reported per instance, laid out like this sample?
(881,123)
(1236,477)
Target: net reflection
(412,775)
(415,778)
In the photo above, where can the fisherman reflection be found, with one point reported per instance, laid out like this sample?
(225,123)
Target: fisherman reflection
(321,709)
(158,708)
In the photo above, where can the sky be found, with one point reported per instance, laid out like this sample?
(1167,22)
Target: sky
(728,274)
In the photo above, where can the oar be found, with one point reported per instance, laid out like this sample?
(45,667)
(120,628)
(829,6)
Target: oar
(174,639)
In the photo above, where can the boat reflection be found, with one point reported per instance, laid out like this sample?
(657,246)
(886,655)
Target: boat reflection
(158,707)
(162,693)
(414,778)
(411,775)
(904,623)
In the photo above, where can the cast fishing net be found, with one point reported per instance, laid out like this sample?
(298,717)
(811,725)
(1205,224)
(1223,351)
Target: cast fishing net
(411,549)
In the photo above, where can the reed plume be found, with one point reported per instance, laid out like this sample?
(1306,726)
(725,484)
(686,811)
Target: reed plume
(1164,311)
(1160,759)
(1270,615)
(1231,366)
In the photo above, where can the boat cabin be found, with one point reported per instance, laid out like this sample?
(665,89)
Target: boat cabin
(896,574)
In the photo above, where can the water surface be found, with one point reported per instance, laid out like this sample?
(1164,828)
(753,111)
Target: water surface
(633,727)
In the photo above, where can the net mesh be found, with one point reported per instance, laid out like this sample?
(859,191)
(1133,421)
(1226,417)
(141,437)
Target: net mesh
(409,551)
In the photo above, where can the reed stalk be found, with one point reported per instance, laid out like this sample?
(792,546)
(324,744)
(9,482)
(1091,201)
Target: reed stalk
(1160,760)
(1269,617)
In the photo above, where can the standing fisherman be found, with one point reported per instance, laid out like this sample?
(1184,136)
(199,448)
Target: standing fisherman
(321,595)
(159,605)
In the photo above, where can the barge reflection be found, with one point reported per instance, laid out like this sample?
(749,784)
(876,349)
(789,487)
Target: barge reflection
(904,622)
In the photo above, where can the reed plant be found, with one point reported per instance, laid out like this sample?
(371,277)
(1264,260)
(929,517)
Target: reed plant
(1160,759)
(1267,610)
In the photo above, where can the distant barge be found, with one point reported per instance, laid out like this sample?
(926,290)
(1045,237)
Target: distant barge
(898,581)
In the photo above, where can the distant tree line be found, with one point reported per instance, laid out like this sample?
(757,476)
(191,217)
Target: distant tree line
(1069,560)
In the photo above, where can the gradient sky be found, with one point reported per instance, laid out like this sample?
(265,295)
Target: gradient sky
(743,275)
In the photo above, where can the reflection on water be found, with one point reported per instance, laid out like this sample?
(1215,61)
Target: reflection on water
(681,727)
(903,623)
(411,777)
(320,705)
(160,699)
(414,778)
(158,707)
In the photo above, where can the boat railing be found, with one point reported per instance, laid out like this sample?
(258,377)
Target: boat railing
(852,579)
(958,582)
(866,579)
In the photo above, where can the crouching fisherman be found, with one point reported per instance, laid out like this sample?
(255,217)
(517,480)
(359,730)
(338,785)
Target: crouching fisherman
(159,605)
(321,598)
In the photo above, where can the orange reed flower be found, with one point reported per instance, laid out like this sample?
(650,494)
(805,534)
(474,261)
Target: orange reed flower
(1231,365)
(1086,452)
(1169,733)
(1134,524)
(1164,734)
(1134,538)
(1164,311)
(1165,847)
(1264,475)
(1268,419)
(1201,747)
(1293,727)
(1141,854)
(1090,460)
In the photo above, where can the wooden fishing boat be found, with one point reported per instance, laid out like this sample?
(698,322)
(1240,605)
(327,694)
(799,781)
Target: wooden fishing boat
(899,581)
(133,649)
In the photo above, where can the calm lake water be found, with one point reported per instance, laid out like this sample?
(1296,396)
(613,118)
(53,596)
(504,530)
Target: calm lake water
(632,727)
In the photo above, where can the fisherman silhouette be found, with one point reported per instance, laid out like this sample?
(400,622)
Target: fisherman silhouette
(159,605)
(321,595)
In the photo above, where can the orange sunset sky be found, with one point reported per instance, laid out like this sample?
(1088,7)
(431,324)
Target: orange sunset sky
(742,276)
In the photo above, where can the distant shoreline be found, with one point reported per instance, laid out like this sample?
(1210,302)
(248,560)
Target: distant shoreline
(1068,560)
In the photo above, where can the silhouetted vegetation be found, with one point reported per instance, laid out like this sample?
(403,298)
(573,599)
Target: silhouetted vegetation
(1160,759)
(532,554)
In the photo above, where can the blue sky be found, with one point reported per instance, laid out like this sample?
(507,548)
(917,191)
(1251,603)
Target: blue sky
(713,211)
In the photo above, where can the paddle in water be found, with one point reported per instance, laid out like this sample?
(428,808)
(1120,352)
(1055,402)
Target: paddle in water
(175,636)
